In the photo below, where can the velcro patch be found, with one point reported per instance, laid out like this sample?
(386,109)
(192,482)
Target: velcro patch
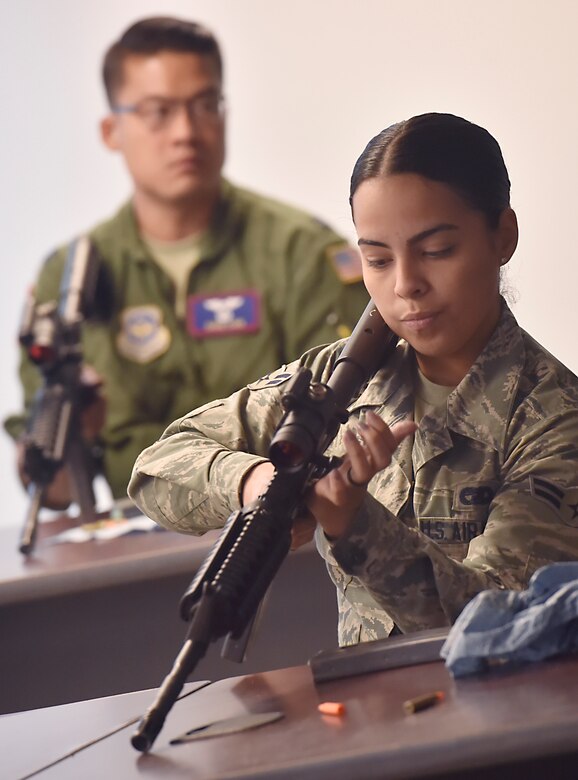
(142,336)
(471,496)
(346,262)
(271,380)
(225,314)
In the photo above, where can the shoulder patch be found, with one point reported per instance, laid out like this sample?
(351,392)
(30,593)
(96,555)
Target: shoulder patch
(346,262)
(143,336)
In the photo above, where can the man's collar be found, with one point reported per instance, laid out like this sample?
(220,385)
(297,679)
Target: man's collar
(223,228)
(127,235)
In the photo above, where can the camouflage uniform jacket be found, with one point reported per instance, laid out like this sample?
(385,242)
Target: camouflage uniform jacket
(484,494)
(262,255)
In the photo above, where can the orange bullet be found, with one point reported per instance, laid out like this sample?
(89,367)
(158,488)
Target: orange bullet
(331,708)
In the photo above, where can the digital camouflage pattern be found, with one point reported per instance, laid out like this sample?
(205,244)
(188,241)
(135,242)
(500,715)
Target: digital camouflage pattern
(155,369)
(484,494)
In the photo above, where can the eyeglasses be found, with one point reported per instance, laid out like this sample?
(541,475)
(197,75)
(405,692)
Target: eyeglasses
(158,113)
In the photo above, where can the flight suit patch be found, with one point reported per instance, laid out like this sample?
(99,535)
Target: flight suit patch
(142,337)
(346,262)
(226,314)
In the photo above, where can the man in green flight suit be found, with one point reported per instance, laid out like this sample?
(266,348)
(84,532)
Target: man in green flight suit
(208,286)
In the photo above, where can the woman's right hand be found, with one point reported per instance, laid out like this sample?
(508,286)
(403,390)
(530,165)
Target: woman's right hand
(256,481)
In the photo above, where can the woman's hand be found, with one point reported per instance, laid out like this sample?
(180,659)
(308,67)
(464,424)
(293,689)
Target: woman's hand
(335,499)
(256,482)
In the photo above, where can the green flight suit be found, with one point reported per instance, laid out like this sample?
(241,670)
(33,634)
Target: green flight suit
(300,279)
(485,492)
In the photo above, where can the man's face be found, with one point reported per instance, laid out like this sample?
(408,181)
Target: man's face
(173,153)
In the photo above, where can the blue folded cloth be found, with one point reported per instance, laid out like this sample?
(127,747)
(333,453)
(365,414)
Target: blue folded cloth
(504,626)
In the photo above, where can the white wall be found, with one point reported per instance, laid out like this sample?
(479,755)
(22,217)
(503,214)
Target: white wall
(308,82)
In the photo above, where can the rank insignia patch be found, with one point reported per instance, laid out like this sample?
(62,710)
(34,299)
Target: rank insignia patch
(142,336)
(226,314)
(346,262)
(546,491)
(270,380)
(569,509)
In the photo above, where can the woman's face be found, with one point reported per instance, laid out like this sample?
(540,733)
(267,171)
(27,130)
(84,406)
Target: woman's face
(431,265)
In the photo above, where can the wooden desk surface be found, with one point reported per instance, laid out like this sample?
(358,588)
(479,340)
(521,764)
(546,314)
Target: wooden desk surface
(519,720)
(39,738)
(80,621)
(63,568)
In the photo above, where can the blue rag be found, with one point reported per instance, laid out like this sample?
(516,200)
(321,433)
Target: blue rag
(507,626)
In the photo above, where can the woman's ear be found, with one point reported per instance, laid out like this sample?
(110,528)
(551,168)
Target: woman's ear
(507,234)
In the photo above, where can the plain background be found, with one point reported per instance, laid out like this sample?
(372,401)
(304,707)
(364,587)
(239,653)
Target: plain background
(308,83)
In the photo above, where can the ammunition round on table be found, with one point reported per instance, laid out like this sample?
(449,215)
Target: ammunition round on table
(423,702)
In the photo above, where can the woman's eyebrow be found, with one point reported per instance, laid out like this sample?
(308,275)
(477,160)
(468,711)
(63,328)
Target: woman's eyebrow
(414,239)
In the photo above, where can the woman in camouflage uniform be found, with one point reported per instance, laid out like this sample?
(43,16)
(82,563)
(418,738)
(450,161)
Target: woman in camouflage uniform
(460,468)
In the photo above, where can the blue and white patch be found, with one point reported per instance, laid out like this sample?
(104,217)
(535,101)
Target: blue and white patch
(225,314)
(142,336)
(346,262)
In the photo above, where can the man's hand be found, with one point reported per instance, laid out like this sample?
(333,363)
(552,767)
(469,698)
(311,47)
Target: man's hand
(93,409)
(58,495)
